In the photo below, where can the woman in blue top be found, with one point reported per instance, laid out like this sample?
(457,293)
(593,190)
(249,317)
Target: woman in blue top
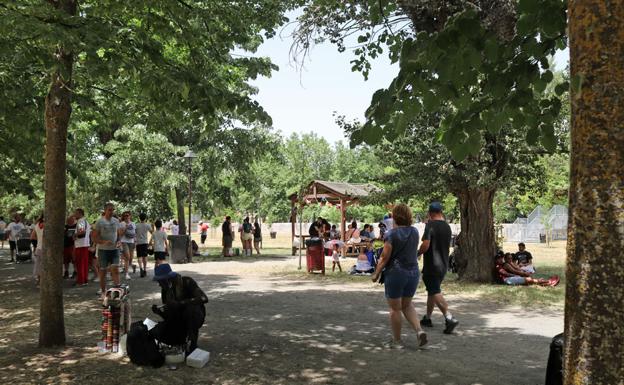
(400,258)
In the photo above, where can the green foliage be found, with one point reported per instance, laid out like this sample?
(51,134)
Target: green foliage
(461,64)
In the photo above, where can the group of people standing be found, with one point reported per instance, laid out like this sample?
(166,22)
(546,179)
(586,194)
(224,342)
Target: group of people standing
(248,233)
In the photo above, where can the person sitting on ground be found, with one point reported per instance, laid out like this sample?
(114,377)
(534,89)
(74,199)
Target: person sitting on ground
(336,258)
(362,265)
(511,274)
(524,259)
(183,309)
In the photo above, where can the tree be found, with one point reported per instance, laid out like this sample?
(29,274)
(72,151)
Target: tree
(172,56)
(595,288)
(478,67)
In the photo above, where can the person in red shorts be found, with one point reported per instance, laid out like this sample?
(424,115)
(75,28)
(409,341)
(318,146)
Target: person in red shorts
(68,251)
(81,247)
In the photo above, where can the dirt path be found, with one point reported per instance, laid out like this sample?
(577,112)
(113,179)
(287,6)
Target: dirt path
(263,328)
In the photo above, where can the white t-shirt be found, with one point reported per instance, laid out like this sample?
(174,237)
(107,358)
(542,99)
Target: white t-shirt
(142,229)
(14,229)
(335,256)
(39,231)
(389,222)
(127,226)
(159,237)
(85,241)
(175,230)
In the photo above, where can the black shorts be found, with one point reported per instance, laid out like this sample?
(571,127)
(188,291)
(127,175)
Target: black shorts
(433,284)
(13,245)
(141,250)
(160,255)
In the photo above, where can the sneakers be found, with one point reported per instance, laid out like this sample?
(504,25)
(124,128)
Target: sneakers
(395,345)
(554,280)
(422,338)
(451,324)
(143,273)
(128,276)
(426,322)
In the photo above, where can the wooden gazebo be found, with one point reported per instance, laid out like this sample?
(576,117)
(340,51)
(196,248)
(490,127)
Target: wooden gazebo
(335,193)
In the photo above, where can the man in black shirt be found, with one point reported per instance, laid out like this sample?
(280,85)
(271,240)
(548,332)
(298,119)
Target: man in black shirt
(436,242)
(524,259)
(183,309)
(228,238)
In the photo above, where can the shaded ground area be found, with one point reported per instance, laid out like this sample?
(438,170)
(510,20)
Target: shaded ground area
(264,327)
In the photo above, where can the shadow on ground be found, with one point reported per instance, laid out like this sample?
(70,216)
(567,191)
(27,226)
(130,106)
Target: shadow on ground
(280,332)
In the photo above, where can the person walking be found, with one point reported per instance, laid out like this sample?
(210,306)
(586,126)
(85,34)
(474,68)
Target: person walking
(142,243)
(228,238)
(400,260)
(257,236)
(81,247)
(68,246)
(13,230)
(203,231)
(159,243)
(436,242)
(127,242)
(37,234)
(3,226)
(106,235)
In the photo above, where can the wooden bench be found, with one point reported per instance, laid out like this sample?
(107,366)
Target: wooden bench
(356,248)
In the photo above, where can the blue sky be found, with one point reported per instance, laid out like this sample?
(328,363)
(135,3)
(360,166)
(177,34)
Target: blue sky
(303,100)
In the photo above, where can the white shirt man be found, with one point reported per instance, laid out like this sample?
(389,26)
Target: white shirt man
(14,229)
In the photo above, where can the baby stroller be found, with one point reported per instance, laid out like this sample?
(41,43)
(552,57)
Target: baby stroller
(24,250)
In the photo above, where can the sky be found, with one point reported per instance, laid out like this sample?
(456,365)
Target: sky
(304,100)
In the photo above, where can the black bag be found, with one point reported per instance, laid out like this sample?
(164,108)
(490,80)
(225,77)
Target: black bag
(142,347)
(554,370)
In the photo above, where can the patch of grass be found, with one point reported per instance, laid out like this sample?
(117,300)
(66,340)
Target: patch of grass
(213,254)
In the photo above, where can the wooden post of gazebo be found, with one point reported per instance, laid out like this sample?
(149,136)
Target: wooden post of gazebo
(343,218)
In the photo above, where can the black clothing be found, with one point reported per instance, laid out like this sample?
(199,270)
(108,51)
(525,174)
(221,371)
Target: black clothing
(68,239)
(523,257)
(313,231)
(257,233)
(226,228)
(183,314)
(435,261)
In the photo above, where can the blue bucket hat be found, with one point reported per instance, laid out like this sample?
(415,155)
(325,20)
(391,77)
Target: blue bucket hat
(163,271)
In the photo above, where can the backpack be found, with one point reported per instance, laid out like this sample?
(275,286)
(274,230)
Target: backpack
(247,227)
(142,348)
(130,231)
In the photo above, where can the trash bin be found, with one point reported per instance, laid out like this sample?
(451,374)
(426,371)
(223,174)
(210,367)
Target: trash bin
(273,234)
(542,238)
(178,248)
(314,255)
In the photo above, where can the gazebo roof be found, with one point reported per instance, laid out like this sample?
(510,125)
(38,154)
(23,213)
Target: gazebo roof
(320,190)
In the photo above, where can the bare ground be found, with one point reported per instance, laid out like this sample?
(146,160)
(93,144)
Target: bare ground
(264,327)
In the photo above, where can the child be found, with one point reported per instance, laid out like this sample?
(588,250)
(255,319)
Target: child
(336,259)
(159,243)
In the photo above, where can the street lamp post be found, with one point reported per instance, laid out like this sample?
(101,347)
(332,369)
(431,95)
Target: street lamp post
(189,156)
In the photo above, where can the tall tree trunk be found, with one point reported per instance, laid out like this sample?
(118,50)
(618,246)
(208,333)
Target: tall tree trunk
(57,114)
(179,193)
(477,243)
(594,314)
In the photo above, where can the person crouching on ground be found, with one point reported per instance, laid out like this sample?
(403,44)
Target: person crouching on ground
(400,258)
(183,311)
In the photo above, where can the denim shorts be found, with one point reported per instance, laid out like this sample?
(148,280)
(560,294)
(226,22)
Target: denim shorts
(433,284)
(107,258)
(515,280)
(400,283)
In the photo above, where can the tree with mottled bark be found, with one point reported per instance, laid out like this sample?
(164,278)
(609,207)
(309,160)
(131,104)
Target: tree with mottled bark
(594,308)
